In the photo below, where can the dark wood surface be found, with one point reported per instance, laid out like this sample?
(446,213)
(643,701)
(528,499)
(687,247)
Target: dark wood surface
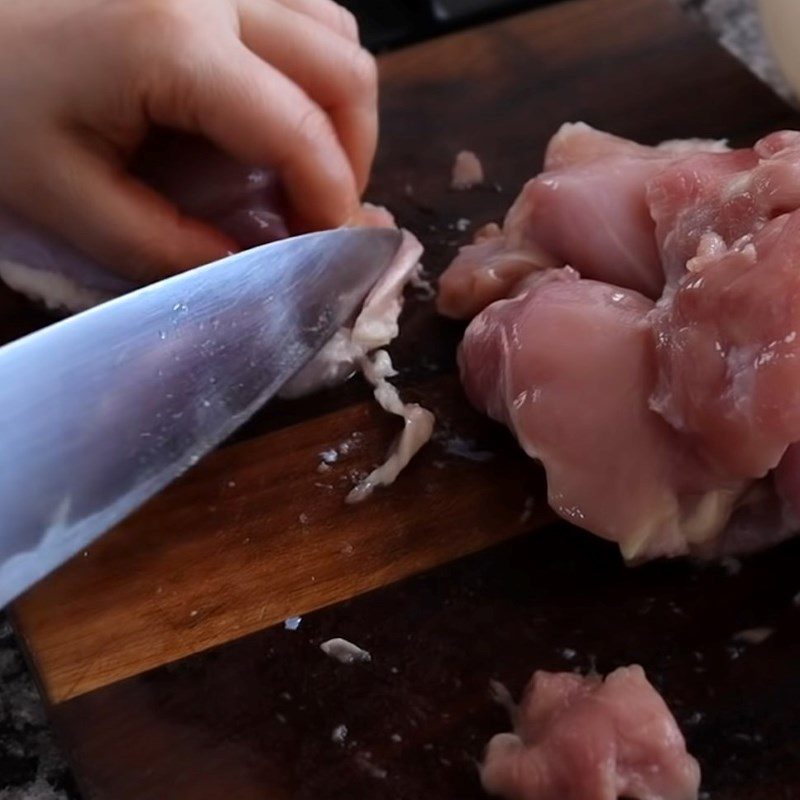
(250,713)
(257,535)
(253,719)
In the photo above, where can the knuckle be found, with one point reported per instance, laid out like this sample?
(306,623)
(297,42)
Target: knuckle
(164,37)
(166,19)
(172,60)
(346,22)
(364,72)
(313,127)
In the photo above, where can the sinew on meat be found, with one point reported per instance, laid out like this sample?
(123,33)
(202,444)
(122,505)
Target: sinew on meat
(585,738)
(636,326)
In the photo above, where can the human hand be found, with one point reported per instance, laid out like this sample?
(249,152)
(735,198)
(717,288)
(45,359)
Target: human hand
(282,83)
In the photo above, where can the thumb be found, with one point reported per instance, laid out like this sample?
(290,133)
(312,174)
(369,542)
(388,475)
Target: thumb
(88,198)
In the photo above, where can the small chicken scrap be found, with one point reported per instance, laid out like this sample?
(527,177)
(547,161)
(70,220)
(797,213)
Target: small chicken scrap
(585,738)
(467,171)
(635,324)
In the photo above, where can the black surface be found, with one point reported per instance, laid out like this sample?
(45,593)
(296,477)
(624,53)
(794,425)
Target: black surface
(386,24)
(421,710)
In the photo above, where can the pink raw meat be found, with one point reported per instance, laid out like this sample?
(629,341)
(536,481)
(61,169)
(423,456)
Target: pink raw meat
(723,196)
(467,171)
(569,365)
(729,351)
(658,425)
(485,271)
(587,210)
(585,738)
(694,197)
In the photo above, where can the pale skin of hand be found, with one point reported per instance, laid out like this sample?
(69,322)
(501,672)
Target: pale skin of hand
(278,83)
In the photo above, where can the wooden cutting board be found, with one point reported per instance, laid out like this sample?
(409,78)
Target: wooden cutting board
(162,652)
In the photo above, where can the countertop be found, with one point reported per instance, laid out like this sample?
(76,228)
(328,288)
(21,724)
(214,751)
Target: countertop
(737,26)
(31,764)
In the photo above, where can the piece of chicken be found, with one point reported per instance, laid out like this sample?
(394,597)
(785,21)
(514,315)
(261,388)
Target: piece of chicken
(729,351)
(585,738)
(659,425)
(569,365)
(588,210)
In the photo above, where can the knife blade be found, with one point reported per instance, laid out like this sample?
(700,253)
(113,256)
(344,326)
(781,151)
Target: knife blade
(102,410)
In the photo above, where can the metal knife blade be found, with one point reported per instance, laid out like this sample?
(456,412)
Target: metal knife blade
(100,411)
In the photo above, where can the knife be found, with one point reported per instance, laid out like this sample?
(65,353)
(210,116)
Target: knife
(102,410)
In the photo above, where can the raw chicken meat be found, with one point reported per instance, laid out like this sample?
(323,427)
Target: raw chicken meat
(487,270)
(659,424)
(520,368)
(357,348)
(375,326)
(729,351)
(246,204)
(722,197)
(585,738)
(587,209)
(418,425)
(467,171)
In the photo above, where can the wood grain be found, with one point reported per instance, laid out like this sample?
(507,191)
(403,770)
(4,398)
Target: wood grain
(214,724)
(256,534)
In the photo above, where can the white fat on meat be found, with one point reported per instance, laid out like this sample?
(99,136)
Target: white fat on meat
(417,430)
(375,326)
(333,364)
(585,738)
(678,146)
(357,349)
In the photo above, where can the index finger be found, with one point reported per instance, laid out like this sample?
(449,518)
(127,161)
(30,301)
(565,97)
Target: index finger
(339,75)
(259,116)
(329,13)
